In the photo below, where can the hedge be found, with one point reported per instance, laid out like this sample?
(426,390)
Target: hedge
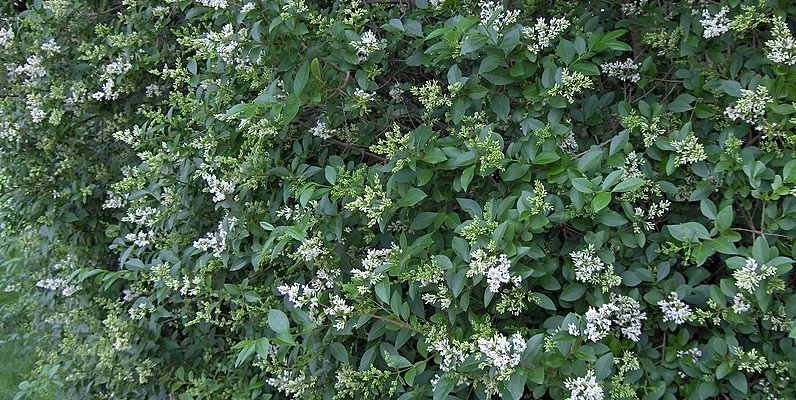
(224,199)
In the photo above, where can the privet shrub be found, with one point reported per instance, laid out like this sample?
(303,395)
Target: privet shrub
(217,199)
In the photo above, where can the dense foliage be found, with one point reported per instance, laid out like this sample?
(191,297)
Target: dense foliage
(223,199)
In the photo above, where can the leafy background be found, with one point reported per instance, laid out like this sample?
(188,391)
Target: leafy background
(171,169)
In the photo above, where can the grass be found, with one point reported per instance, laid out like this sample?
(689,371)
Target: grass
(14,368)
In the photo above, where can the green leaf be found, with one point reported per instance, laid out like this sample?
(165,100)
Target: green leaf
(688,232)
(738,381)
(628,185)
(500,105)
(488,64)
(498,77)
(545,157)
(604,366)
(473,43)
(516,385)
(732,88)
(573,292)
(278,322)
(600,201)
(444,386)
(566,50)
(514,172)
(610,218)
(682,103)
(412,197)
(467,177)
(302,76)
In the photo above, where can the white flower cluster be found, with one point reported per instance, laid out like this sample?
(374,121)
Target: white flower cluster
(247,8)
(50,47)
(647,219)
(623,312)
(219,188)
(589,268)
(311,249)
(715,25)
(674,309)
(372,203)
(309,295)
(224,44)
(217,4)
(623,70)
(695,353)
(322,131)
(6,37)
(141,216)
(32,70)
(341,310)
(374,259)
(749,277)
(57,284)
(585,388)
(633,7)
(495,269)
(452,351)
(363,96)
(572,83)
(541,35)
(782,47)
(494,12)
(140,239)
(131,137)
(9,131)
(587,263)
(751,107)
(368,43)
(502,353)
(109,74)
(739,304)
(216,241)
(293,384)
(689,150)
(570,145)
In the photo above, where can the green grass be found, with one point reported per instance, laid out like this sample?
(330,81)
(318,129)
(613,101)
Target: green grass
(14,367)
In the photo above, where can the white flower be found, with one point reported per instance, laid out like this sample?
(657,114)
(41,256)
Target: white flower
(374,259)
(322,131)
(587,263)
(585,388)
(749,277)
(541,35)
(695,353)
(49,46)
(140,239)
(311,249)
(502,353)
(219,188)
(573,330)
(715,25)
(247,7)
(689,150)
(623,70)
(6,37)
(363,96)
(495,12)
(739,304)
(498,274)
(217,4)
(674,309)
(368,43)
(782,47)
(751,107)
